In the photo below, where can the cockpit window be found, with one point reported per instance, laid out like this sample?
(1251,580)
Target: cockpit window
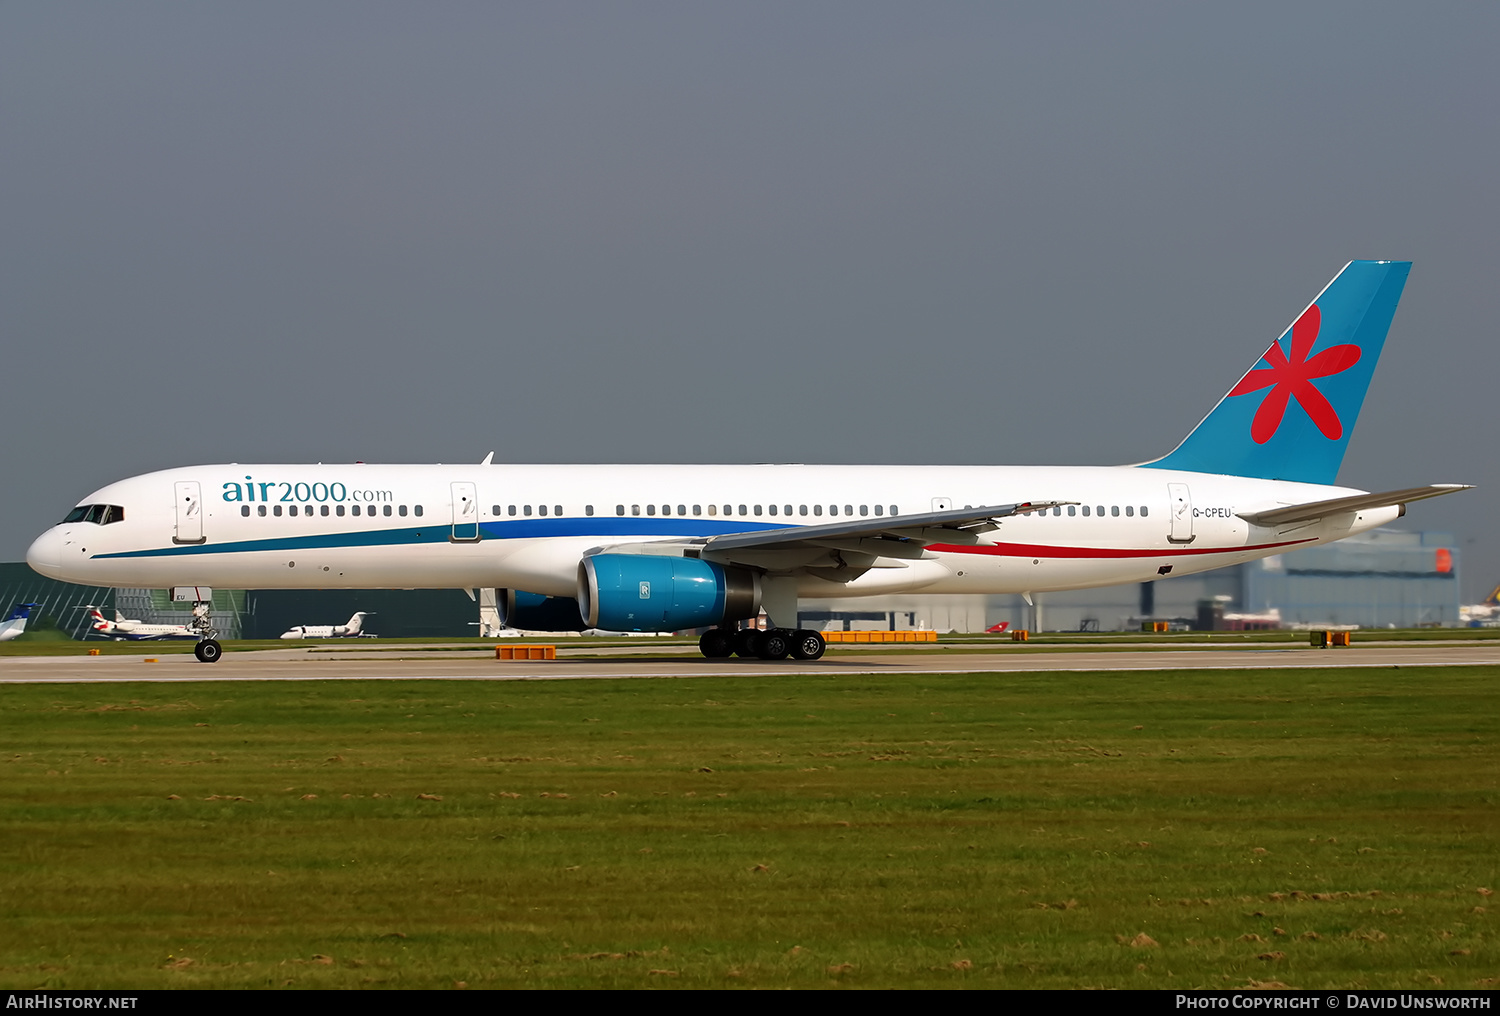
(99,514)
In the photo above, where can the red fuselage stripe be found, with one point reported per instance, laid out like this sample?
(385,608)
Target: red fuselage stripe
(1042,550)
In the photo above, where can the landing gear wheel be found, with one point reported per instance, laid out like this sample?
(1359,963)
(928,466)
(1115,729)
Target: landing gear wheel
(808,645)
(747,642)
(716,644)
(775,644)
(208,651)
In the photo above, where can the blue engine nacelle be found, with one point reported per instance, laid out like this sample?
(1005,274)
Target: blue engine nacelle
(537,611)
(643,592)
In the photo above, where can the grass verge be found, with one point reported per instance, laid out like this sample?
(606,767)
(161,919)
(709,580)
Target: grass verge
(1324,828)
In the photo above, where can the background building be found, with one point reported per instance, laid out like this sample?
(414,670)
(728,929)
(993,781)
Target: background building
(153,606)
(1381,579)
(398,613)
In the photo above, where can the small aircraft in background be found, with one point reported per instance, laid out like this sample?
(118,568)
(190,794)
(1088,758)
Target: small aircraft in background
(15,623)
(332,631)
(124,629)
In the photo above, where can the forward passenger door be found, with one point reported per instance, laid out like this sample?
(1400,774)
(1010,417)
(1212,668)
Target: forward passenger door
(189,516)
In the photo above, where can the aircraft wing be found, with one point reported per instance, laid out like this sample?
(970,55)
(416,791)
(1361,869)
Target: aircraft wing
(848,547)
(1358,502)
(898,532)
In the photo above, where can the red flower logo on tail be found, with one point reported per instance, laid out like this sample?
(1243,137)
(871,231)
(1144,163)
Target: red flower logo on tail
(1293,378)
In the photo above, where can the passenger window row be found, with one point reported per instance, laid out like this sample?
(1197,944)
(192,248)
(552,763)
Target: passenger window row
(105,514)
(1114,510)
(525,509)
(756,510)
(338,510)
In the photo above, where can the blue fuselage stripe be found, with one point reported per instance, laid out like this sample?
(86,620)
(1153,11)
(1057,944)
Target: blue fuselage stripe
(520,529)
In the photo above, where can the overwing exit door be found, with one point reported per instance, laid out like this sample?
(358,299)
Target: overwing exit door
(465,513)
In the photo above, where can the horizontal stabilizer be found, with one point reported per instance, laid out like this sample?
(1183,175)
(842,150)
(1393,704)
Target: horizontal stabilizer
(1358,502)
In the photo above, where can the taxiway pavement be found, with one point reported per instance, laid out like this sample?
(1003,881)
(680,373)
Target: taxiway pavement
(475,665)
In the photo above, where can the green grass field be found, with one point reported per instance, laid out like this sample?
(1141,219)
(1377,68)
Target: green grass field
(1318,828)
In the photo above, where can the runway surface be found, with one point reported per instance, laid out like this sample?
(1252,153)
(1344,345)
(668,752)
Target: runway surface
(303,664)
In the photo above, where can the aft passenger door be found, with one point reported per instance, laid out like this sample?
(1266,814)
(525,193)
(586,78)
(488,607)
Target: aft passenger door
(465,513)
(189,513)
(1182,513)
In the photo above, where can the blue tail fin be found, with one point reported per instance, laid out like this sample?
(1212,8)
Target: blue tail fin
(1290,416)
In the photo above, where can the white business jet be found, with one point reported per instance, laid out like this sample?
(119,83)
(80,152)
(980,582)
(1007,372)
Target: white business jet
(664,548)
(331,631)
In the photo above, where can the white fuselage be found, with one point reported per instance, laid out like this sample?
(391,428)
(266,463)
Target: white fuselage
(527,527)
(327,631)
(124,628)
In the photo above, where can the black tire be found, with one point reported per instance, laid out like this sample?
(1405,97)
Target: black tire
(775,644)
(747,642)
(808,645)
(716,644)
(208,651)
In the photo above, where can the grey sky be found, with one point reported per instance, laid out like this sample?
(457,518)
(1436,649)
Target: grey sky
(849,232)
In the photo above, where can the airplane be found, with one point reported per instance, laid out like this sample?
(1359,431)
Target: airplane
(671,547)
(123,629)
(15,623)
(331,631)
(549,615)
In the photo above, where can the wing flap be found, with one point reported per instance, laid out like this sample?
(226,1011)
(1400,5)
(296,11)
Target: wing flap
(1358,502)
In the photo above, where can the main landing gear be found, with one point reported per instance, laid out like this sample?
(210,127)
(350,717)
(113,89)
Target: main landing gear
(771,644)
(208,649)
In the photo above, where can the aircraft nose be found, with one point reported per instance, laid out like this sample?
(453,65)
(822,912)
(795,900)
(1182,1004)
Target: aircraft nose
(45,554)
